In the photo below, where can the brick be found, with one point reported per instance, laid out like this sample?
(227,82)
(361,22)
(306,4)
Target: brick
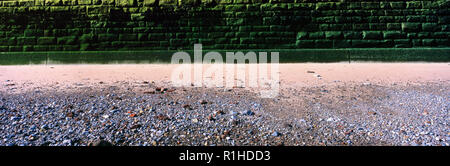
(246,40)
(365,43)
(96,2)
(393,35)
(429,42)
(430,4)
(272,40)
(28,48)
(316,35)
(430,27)
(167,2)
(440,35)
(237,7)
(305,44)
(402,43)
(333,34)
(235,21)
(86,47)
(324,43)
(224,1)
(398,5)
(128,3)
(354,5)
(108,2)
(325,5)
(150,3)
(46,40)
(71,47)
(26,40)
(352,35)
(15,48)
(302,35)
(207,2)
(342,43)
(52,2)
(67,40)
(370,5)
(4,48)
(84,2)
(394,26)
(128,37)
(10,3)
(68,2)
(25,3)
(372,35)
(8,41)
(33,32)
(157,36)
(422,35)
(86,38)
(188,2)
(414,5)
(411,27)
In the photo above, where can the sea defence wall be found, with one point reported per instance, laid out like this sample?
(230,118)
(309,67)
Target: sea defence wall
(104,25)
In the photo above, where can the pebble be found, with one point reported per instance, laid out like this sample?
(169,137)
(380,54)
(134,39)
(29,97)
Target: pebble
(248,112)
(101,143)
(276,134)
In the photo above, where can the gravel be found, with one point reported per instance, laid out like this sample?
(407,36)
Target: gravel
(154,114)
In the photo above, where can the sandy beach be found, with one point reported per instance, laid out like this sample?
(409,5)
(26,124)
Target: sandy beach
(354,103)
(297,75)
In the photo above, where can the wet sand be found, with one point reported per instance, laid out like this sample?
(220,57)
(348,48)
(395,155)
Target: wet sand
(290,74)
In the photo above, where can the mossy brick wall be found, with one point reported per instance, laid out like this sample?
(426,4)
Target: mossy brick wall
(70,25)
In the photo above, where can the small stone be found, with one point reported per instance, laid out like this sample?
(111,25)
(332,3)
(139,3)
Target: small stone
(248,112)
(287,125)
(203,102)
(187,106)
(195,120)
(114,111)
(15,118)
(135,126)
(44,127)
(101,143)
(67,142)
(276,134)
(162,117)
(149,92)
(10,84)
(233,113)
(70,114)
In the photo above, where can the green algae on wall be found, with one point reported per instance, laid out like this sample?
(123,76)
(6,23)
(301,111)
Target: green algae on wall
(104,25)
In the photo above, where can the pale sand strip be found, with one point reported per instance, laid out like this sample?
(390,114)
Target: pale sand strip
(290,74)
